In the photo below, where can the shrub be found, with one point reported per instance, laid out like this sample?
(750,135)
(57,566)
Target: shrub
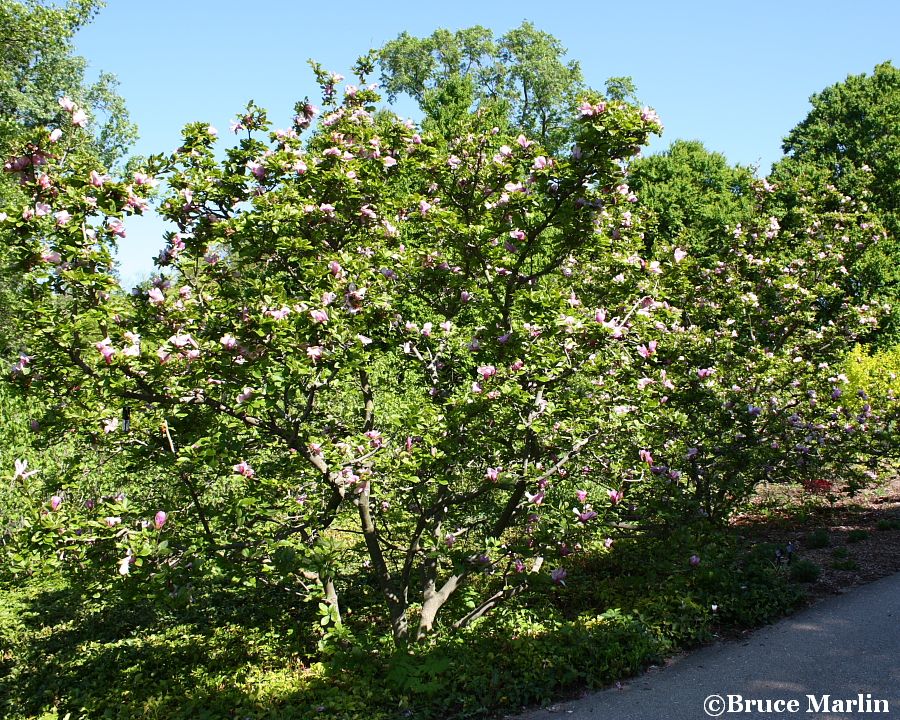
(805,571)
(817,539)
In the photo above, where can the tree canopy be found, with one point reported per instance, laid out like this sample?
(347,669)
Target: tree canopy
(851,140)
(38,67)
(522,76)
(692,196)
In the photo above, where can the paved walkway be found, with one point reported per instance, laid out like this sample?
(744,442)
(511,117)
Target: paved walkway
(846,647)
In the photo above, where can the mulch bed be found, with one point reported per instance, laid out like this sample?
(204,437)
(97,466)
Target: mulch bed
(849,559)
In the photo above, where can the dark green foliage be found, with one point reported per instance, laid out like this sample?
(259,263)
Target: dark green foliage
(695,199)
(857,535)
(520,78)
(817,539)
(252,652)
(851,139)
(805,571)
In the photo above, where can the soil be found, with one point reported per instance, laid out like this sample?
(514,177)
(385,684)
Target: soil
(863,533)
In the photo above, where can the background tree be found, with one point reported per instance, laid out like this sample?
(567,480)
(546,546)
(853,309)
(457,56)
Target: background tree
(691,198)
(522,76)
(37,68)
(851,140)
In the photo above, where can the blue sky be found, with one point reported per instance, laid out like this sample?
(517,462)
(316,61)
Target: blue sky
(736,76)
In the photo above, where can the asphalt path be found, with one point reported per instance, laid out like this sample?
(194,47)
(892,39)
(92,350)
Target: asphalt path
(846,647)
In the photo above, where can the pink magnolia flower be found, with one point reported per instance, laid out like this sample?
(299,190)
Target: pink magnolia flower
(62,217)
(492,474)
(388,161)
(535,499)
(581,495)
(125,564)
(334,267)
(22,470)
(649,115)
(41,209)
(558,575)
(182,340)
(105,348)
(524,142)
(116,227)
(692,453)
(319,316)
(67,104)
(540,162)
(615,496)
(424,206)
(155,296)
(133,350)
(229,341)
(314,352)
(679,255)
(244,395)
(279,314)
(51,256)
(243,468)
(487,371)
(703,373)
(646,456)
(585,515)
(97,180)
(645,351)
(55,502)
(112,521)
(375,438)
(111,425)
(79,118)
(160,519)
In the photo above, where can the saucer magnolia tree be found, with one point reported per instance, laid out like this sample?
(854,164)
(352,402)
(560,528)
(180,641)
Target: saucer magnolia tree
(365,353)
(749,386)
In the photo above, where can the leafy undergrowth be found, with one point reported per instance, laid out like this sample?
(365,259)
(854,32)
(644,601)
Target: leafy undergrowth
(256,653)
